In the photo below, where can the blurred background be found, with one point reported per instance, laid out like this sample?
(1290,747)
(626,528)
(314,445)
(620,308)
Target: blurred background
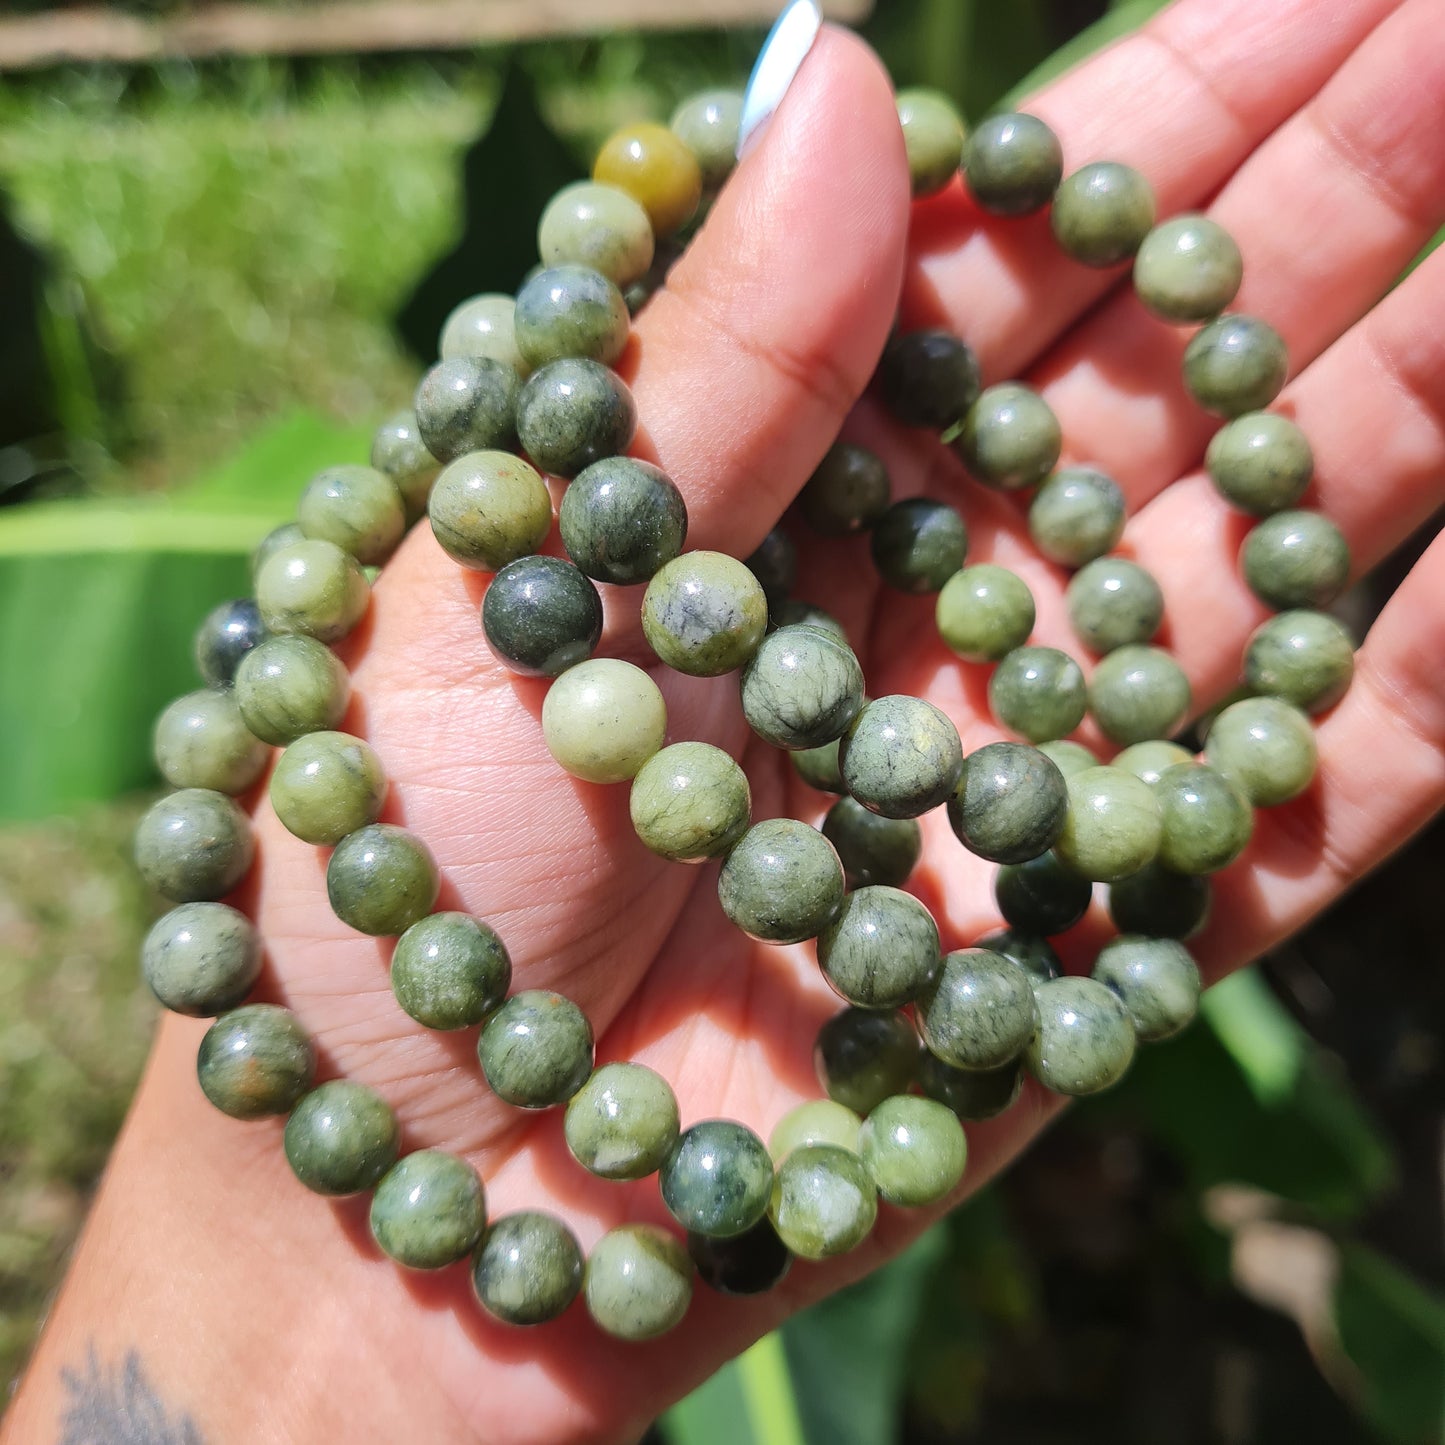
(228,236)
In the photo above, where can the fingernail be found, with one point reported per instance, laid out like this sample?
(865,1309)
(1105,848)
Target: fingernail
(780,59)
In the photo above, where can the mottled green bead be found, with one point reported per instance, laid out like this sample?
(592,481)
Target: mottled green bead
(381,879)
(928,378)
(1114,602)
(1305,658)
(749,1264)
(704,614)
(449,971)
(775,564)
(801,688)
(1260,462)
(603,719)
(1188,269)
(1009,804)
(202,741)
(541,616)
(793,613)
(313,588)
(881,950)
(824,1201)
(782,882)
(707,124)
(290,686)
(573,413)
(1102,213)
(622,519)
(1156,979)
(358,508)
(255,1061)
(1206,820)
(1069,758)
(914,1149)
(428,1210)
(985,612)
(341,1138)
(598,228)
(483,326)
(1033,954)
(1266,747)
(1038,692)
(1013,164)
(1010,437)
(623,1122)
(717,1178)
(1235,364)
(818,767)
(639,1282)
(1085,1039)
(690,802)
(274,541)
(848,491)
(918,544)
(1296,559)
(902,757)
(1149,760)
(195,846)
(816,1121)
(932,138)
(489,508)
(863,1055)
(467,404)
(536,1049)
(1113,826)
(528,1268)
(227,634)
(973,1094)
(978,1012)
(873,850)
(1138,693)
(327,785)
(1042,896)
(398,452)
(1159,903)
(1076,516)
(570,311)
(201,959)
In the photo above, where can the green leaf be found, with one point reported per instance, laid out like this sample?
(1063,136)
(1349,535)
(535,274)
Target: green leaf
(747,1402)
(1121,19)
(1263,1039)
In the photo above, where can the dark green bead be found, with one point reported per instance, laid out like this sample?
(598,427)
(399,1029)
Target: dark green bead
(914,1149)
(984,612)
(326,785)
(1010,438)
(801,688)
(978,1012)
(973,1094)
(775,565)
(570,311)
(1085,1039)
(536,1049)
(638,1282)
(274,541)
(932,138)
(195,846)
(467,404)
(1305,658)
(429,1210)
(202,741)
(1235,364)
(1138,693)
(818,767)
(872,850)
(918,544)
(1266,746)
(290,686)
(1102,213)
(201,959)
(313,588)
(1296,559)
(1159,903)
(1013,164)
(1031,953)
(541,616)
(528,1268)
(848,492)
(341,1138)
(690,802)
(1042,896)
(598,227)
(928,378)
(902,757)
(1076,516)
(1113,825)
(255,1061)
(752,1263)
(782,883)
(623,1122)
(707,124)
(1156,979)
(1260,462)
(1038,692)
(824,1201)
(1009,804)
(1188,269)
(815,1121)
(881,950)
(489,508)
(717,1178)
(358,508)
(862,1056)
(449,971)
(229,632)
(398,452)
(381,879)
(573,413)
(1114,602)
(1149,760)
(793,613)
(1206,819)
(704,614)
(1069,758)
(622,519)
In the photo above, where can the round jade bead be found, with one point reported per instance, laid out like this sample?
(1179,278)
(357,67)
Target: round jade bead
(341,1138)
(1102,213)
(872,850)
(1113,827)
(638,1282)
(902,757)
(824,1201)
(483,326)
(1013,164)
(1010,438)
(202,741)
(622,519)
(928,378)
(449,971)
(1038,692)
(274,541)
(381,879)
(1149,760)
(1085,1039)
(570,311)
(1009,804)
(1304,658)
(979,1011)
(1041,896)
(195,846)
(1069,758)
(358,508)
(290,686)
(1296,559)
(572,413)
(654,167)
(932,139)
(782,882)
(201,959)
(603,719)
(623,1122)
(985,612)
(914,1149)
(801,688)
(1260,462)
(1206,820)
(749,1264)
(707,124)
(528,1268)
(704,614)
(1159,903)
(716,1178)
(775,565)
(255,1061)
(1076,516)
(1138,693)
(327,785)
(1114,602)
(536,1049)
(816,1121)
(313,588)
(818,767)
(428,1210)
(792,613)
(597,227)
(1188,269)
(467,404)
(489,508)
(1156,979)
(1235,364)
(229,632)
(690,802)
(398,452)
(541,616)
(1265,747)
(848,491)
(1031,953)
(918,544)
(974,1094)
(881,950)
(863,1055)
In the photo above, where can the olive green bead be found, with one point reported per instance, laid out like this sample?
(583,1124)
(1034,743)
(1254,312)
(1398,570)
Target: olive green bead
(873,850)
(1149,760)
(984,612)
(202,741)
(570,311)
(881,950)
(341,1138)
(978,1012)
(1009,804)
(1035,955)
(782,882)
(1042,896)
(1069,758)
(195,846)
(918,544)
(527,1269)
(1235,364)
(398,452)
(1114,602)
(793,613)
(1260,462)
(638,1282)
(622,519)
(541,616)
(1304,658)
(1076,516)
(974,1094)
(536,1049)
(1156,979)
(1138,693)
(597,227)
(277,539)
(824,1201)
(483,326)
(467,404)
(358,508)
(1102,213)
(864,1055)
(848,491)
(1085,1039)
(381,879)
(201,959)
(816,1121)
(428,1210)
(1010,437)
(623,1122)
(255,1061)
(801,688)
(902,757)
(707,124)
(932,139)
(1038,692)
(914,1149)
(775,565)
(1013,164)
(704,613)
(488,508)
(690,802)
(1113,827)
(1296,559)
(717,1178)
(449,971)
(573,413)
(1160,903)
(1266,747)
(928,378)
(1188,269)
(603,719)
(818,767)
(290,686)
(1206,820)
(327,785)
(313,588)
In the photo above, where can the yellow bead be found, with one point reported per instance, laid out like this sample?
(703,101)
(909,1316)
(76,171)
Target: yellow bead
(656,169)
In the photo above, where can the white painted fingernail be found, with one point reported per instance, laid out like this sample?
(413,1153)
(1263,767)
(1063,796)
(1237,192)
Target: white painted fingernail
(780,59)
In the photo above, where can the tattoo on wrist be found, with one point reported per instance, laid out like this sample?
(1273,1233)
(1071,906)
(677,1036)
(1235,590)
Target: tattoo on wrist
(118,1405)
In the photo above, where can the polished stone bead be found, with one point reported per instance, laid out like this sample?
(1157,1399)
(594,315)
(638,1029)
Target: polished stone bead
(1102,213)
(824,1201)
(690,802)
(707,124)
(1076,516)
(255,1061)
(195,846)
(398,452)
(541,616)
(1010,437)
(381,879)
(818,767)
(202,741)
(483,326)
(1069,758)
(428,1210)
(973,1094)
(862,1056)
(748,1264)
(1114,602)
(341,1138)
(782,882)
(1033,954)
(327,785)
(1138,693)
(358,508)
(603,719)
(229,632)
(290,686)
(638,1282)
(1206,820)
(1266,747)
(573,413)
(1304,658)
(571,311)
(928,378)
(1188,269)
(1156,979)
(793,613)
(489,508)
(1042,896)
(536,1049)
(873,850)
(1260,462)
(704,614)
(1013,164)
(801,688)
(984,612)
(1085,1039)
(274,541)
(775,564)
(622,519)
(450,971)
(978,1012)
(716,1179)
(1038,692)
(528,1268)
(656,169)
(918,544)
(902,757)
(848,491)
(1009,804)
(1149,760)
(1296,559)
(622,1123)
(1113,827)
(1159,903)
(467,404)
(1235,364)
(313,588)
(597,227)
(817,1121)
(932,139)
(914,1149)
(201,959)
(881,950)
